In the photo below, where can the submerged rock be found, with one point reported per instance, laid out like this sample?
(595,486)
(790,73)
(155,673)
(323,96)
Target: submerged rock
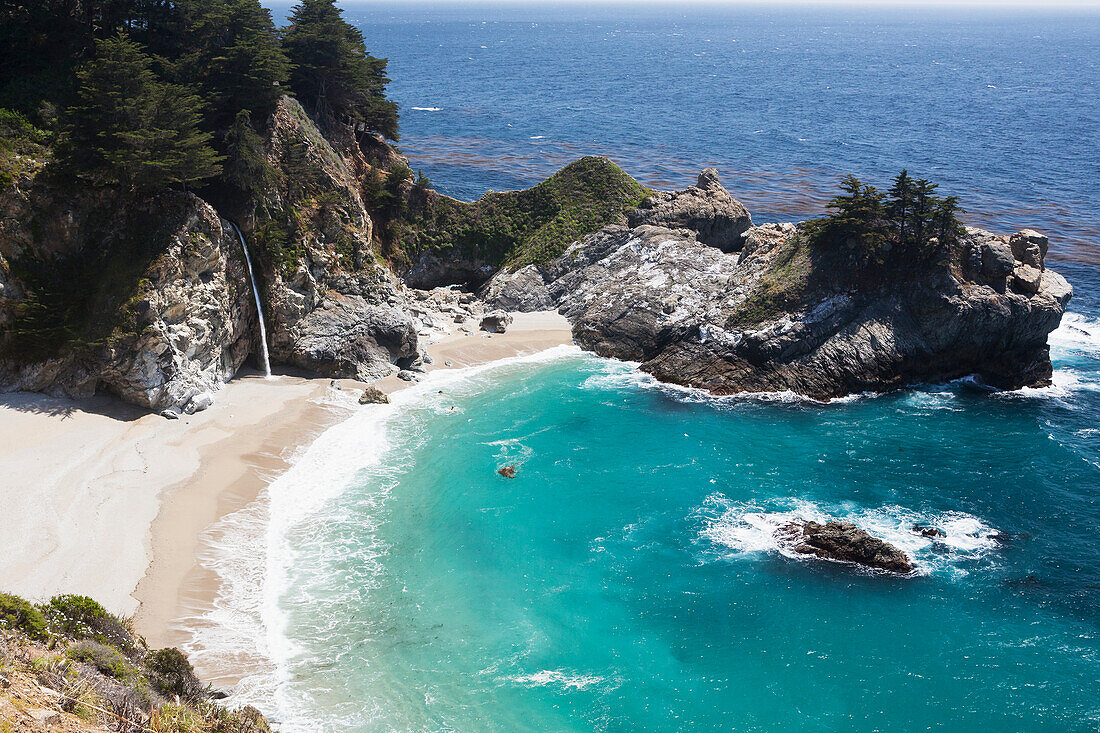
(845,542)
(508,472)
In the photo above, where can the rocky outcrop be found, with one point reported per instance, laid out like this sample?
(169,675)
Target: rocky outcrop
(334,308)
(523,290)
(844,542)
(373,396)
(495,322)
(178,332)
(706,209)
(783,315)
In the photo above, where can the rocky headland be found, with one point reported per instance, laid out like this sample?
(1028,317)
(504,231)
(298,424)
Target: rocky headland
(359,267)
(701,297)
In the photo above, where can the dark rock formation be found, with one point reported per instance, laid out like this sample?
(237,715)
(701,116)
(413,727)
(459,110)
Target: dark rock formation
(932,532)
(844,542)
(496,322)
(706,209)
(784,315)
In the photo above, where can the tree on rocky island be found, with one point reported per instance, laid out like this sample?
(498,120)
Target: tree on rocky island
(333,75)
(132,130)
(908,219)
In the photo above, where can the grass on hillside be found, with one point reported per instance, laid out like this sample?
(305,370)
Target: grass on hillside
(533,226)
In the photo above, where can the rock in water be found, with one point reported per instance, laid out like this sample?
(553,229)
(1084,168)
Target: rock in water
(844,541)
(496,322)
(508,472)
(373,396)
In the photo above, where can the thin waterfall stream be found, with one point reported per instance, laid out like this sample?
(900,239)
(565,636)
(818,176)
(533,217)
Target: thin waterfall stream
(256,294)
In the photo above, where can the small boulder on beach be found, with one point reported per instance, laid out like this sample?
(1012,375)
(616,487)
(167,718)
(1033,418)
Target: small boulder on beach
(373,396)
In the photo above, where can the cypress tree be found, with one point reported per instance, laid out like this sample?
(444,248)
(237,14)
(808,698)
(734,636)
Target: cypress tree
(245,167)
(131,130)
(333,75)
(923,210)
(900,204)
(231,51)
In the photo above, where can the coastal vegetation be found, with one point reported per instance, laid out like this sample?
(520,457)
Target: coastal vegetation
(908,220)
(532,226)
(869,239)
(107,107)
(99,673)
(148,96)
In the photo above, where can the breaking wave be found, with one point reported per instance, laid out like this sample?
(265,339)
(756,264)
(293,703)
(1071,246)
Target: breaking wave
(737,530)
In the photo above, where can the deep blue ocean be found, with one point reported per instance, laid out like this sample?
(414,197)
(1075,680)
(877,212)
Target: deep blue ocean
(627,578)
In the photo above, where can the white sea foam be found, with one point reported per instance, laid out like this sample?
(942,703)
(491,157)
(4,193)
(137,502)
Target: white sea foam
(1076,333)
(740,530)
(626,374)
(427,109)
(559,678)
(251,552)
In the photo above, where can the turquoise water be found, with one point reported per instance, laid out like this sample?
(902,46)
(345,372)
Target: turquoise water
(626,578)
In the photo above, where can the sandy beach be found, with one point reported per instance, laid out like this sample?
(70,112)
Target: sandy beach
(105,500)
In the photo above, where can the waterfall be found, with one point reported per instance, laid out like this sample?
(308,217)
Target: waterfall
(256,294)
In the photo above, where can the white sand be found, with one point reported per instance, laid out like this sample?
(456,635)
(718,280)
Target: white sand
(104,500)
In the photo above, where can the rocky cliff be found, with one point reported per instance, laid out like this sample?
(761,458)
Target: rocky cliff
(775,312)
(335,307)
(150,300)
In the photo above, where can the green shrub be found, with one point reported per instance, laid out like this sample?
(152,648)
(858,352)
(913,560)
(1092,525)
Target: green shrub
(172,674)
(104,658)
(83,618)
(17,613)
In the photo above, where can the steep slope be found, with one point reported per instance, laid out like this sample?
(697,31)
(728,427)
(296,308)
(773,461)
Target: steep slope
(148,300)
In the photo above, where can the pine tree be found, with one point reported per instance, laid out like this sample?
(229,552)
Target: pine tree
(333,75)
(131,130)
(923,210)
(900,205)
(946,222)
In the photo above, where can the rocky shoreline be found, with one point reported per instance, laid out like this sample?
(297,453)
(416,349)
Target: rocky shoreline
(769,314)
(684,283)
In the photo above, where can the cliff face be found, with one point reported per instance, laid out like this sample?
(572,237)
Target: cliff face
(781,314)
(334,307)
(151,300)
(160,316)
